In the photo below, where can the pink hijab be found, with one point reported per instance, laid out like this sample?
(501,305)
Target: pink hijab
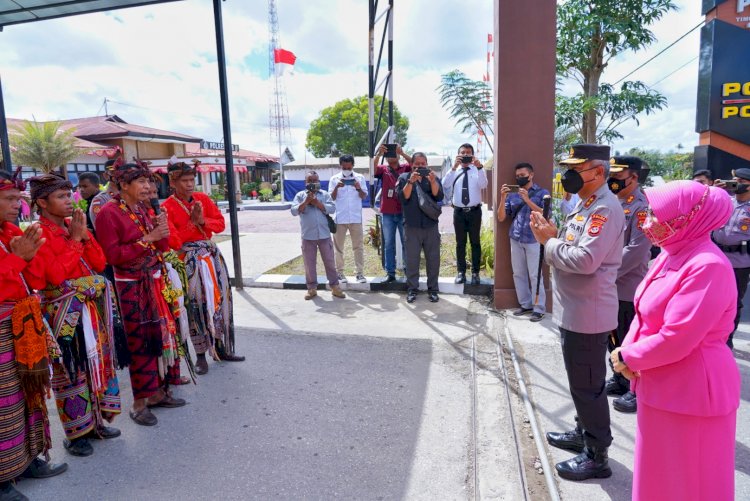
(678,198)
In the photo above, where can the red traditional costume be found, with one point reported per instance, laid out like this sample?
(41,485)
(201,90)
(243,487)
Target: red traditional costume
(24,427)
(209,290)
(78,304)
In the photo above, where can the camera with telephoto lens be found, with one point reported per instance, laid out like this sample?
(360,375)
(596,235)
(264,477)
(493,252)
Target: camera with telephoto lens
(423,171)
(312,187)
(467,159)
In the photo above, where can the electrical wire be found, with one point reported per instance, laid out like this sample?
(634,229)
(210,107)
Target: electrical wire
(672,72)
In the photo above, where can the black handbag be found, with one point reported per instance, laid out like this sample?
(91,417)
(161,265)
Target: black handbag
(331,224)
(427,204)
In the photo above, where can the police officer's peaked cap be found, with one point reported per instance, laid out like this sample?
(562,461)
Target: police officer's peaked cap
(618,164)
(743,173)
(581,153)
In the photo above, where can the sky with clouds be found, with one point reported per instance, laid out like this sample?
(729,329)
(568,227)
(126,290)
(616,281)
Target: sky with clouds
(157,66)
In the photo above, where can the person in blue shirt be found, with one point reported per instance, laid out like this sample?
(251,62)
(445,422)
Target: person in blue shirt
(524,249)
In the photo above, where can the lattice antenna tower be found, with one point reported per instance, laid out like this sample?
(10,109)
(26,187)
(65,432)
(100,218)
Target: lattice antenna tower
(278,116)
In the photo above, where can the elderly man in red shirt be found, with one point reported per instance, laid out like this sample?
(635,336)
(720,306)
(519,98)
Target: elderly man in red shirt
(196,219)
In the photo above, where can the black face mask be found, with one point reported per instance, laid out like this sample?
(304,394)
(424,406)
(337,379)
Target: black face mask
(617,185)
(522,180)
(741,189)
(572,181)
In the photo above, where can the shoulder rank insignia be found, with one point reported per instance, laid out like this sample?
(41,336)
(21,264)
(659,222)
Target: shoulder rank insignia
(630,199)
(590,201)
(627,211)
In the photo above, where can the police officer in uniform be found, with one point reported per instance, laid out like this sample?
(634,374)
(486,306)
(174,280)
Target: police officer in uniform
(624,175)
(733,239)
(585,256)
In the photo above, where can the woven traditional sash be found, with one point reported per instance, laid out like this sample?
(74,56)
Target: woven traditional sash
(30,343)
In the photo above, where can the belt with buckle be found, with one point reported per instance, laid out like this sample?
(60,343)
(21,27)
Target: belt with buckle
(467,209)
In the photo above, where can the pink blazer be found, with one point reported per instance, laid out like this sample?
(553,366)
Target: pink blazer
(685,310)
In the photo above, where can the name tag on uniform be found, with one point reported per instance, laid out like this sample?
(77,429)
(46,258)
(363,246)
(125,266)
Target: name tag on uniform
(390,193)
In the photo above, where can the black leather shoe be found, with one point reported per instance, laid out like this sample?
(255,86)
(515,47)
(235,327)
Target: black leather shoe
(389,278)
(615,387)
(201,365)
(569,440)
(8,492)
(591,463)
(475,279)
(434,297)
(78,447)
(626,403)
(522,311)
(105,433)
(411,296)
(231,357)
(460,278)
(42,469)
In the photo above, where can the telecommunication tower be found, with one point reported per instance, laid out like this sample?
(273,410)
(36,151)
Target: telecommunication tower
(278,116)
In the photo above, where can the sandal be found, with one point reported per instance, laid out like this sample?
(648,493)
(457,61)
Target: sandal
(143,417)
(168,402)
(181,381)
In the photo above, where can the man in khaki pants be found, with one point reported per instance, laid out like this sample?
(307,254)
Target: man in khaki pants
(348,190)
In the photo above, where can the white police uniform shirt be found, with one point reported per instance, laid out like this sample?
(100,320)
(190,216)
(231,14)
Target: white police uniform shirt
(348,203)
(453,182)
(585,258)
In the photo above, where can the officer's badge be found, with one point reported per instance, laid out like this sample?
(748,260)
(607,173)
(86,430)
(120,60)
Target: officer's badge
(96,208)
(570,237)
(630,199)
(579,218)
(614,186)
(627,211)
(589,201)
(641,218)
(743,227)
(596,224)
(612,161)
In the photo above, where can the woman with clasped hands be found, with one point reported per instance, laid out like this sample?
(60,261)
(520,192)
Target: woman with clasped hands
(675,353)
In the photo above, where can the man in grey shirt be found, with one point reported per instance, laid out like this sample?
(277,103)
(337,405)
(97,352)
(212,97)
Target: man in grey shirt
(585,256)
(312,205)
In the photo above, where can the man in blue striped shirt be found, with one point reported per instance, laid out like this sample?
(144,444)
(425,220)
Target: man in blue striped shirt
(517,202)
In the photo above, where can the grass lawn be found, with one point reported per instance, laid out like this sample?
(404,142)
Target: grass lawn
(373,265)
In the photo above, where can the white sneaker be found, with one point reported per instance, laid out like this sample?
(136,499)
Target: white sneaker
(342,278)
(361,279)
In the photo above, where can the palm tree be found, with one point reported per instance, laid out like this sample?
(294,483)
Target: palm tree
(44,146)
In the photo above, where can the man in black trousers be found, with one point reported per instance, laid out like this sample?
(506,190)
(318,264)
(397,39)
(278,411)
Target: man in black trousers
(465,182)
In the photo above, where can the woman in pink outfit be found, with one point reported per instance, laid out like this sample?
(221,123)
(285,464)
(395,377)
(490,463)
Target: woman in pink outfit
(675,353)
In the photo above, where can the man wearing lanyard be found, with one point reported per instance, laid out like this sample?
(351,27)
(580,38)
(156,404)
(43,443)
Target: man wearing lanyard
(733,238)
(466,185)
(390,205)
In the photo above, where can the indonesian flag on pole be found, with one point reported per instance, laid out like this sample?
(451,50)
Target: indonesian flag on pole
(284,60)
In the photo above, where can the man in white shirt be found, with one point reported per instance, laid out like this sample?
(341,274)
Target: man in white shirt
(348,191)
(465,181)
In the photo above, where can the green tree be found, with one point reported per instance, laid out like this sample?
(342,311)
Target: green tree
(344,127)
(468,102)
(44,146)
(671,165)
(589,34)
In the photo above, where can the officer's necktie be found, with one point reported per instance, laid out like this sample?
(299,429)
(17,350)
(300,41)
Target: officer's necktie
(465,189)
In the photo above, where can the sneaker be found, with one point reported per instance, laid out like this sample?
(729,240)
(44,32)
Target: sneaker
(536,317)
(361,279)
(310,294)
(337,292)
(522,311)
(411,296)
(460,278)
(342,278)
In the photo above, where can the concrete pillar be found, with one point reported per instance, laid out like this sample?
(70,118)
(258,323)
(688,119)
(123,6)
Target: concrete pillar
(524,45)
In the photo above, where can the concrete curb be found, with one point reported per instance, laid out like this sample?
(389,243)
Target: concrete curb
(374,284)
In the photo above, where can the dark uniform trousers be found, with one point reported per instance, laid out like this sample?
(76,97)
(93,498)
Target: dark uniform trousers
(741,277)
(417,240)
(584,362)
(625,316)
(467,221)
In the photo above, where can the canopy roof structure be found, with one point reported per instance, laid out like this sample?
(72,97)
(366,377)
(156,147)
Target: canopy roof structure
(27,11)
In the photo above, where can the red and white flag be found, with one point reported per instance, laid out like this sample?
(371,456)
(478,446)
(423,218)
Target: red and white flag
(283,60)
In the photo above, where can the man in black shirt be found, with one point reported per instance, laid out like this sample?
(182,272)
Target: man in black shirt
(421,230)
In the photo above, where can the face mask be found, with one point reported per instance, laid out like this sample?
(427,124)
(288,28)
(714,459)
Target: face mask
(522,180)
(347,173)
(572,181)
(659,232)
(617,185)
(741,188)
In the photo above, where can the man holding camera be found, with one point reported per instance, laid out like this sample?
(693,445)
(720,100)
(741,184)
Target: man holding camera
(518,202)
(734,236)
(466,185)
(419,192)
(348,193)
(390,205)
(312,205)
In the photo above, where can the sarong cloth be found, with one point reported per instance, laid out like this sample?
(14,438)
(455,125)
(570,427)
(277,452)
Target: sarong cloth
(24,432)
(84,379)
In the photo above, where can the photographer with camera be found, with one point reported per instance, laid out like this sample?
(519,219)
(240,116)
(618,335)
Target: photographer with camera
(733,238)
(313,207)
(470,179)
(390,205)
(348,192)
(518,201)
(419,192)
